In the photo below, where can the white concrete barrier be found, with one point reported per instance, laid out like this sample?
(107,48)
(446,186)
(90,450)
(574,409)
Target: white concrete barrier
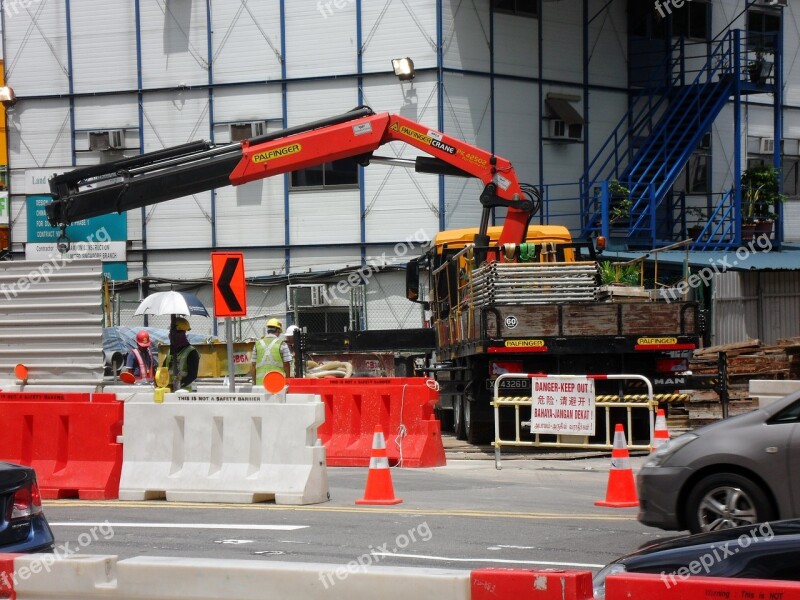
(224,448)
(156,578)
(767,391)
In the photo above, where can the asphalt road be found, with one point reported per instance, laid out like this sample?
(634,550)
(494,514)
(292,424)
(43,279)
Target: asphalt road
(532,513)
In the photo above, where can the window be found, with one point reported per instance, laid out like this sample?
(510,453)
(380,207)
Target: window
(690,20)
(339,173)
(694,179)
(522,8)
(762,29)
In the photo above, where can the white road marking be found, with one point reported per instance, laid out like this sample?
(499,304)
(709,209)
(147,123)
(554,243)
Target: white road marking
(490,560)
(183,526)
(233,541)
(501,547)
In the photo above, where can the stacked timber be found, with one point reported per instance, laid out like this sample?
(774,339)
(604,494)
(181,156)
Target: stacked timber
(746,360)
(533,283)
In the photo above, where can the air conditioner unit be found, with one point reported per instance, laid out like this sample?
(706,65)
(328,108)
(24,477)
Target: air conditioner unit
(305,296)
(767,146)
(111,139)
(245,131)
(561,130)
(775,2)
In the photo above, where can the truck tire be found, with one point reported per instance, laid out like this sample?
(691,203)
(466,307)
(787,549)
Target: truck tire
(459,428)
(478,432)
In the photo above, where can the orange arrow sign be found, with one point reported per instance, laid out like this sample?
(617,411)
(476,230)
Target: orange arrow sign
(230,298)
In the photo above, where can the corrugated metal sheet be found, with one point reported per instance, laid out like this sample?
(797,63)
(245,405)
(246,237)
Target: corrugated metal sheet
(174,43)
(791,220)
(399,201)
(107,112)
(466,35)
(316,259)
(45,126)
(516,50)
(172,119)
(51,320)
(324,217)
(103,45)
(756,305)
(563,57)
(517,126)
(35,39)
(193,264)
(467,116)
(320,39)
(247,41)
(310,101)
(395,29)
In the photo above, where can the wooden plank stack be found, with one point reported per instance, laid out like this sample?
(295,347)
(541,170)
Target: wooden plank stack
(749,359)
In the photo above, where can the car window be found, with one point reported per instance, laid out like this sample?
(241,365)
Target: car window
(790,414)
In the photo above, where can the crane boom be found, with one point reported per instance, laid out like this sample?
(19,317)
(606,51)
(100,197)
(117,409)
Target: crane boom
(200,166)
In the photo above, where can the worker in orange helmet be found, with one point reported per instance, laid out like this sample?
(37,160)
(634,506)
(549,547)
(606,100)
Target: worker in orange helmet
(140,360)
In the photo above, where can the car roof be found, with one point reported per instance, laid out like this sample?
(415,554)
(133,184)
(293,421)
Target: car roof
(766,530)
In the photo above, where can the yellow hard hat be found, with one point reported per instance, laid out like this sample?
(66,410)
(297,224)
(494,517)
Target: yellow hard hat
(182,324)
(274,323)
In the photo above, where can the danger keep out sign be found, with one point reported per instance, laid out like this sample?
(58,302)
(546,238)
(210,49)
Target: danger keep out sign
(563,405)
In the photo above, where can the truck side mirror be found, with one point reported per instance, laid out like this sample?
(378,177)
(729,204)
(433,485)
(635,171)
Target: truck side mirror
(412,283)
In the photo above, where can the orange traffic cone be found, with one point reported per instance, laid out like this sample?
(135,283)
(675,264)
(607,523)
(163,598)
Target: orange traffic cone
(379,488)
(661,432)
(621,490)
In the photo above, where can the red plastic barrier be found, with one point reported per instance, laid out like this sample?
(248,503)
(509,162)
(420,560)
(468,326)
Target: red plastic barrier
(7,576)
(70,439)
(550,584)
(682,585)
(402,406)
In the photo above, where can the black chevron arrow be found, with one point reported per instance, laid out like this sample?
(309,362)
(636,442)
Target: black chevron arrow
(224,284)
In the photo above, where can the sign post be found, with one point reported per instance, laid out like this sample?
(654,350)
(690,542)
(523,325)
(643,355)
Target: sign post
(230,298)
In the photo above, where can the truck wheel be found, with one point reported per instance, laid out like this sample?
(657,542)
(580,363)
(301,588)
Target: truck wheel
(477,432)
(459,428)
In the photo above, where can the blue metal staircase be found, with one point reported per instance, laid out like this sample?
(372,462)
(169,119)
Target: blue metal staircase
(653,142)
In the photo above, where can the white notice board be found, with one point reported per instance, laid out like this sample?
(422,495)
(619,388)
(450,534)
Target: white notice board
(562,405)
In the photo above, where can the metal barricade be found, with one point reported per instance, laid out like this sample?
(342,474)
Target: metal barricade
(606,402)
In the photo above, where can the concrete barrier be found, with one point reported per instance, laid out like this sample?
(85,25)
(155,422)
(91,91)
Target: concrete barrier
(223,447)
(153,578)
(767,391)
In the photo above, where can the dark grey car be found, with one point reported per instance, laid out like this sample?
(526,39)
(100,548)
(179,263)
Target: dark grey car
(734,472)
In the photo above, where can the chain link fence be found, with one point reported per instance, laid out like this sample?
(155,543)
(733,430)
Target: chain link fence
(346,302)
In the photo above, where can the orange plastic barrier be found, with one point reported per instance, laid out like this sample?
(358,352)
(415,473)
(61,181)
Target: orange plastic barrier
(402,406)
(7,575)
(550,584)
(69,438)
(682,585)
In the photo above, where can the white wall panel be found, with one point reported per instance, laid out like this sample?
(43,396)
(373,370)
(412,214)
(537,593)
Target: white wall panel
(313,100)
(515,45)
(320,38)
(247,40)
(103,45)
(181,265)
(107,112)
(39,134)
(467,116)
(398,29)
(324,217)
(36,48)
(248,103)
(261,263)
(399,201)
(465,27)
(251,214)
(517,126)
(172,119)
(791,221)
(174,43)
(313,259)
(563,55)
(608,42)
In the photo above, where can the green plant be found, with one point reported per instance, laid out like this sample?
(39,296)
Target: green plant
(620,204)
(620,273)
(760,191)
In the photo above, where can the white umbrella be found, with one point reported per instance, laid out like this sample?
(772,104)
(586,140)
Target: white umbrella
(171,303)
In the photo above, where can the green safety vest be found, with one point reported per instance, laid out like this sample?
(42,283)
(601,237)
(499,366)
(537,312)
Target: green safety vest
(183,370)
(268,358)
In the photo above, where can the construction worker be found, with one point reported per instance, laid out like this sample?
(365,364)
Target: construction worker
(291,341)
(188,358)
(270,353)
(140,360)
